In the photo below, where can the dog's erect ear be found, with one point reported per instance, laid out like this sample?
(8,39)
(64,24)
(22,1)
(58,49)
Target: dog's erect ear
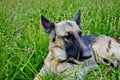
(48,25)
(77,18)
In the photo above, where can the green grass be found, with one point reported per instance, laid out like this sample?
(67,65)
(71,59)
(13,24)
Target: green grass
(24,44)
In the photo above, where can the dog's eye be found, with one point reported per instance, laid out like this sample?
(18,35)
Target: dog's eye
(80,33)
(68,36)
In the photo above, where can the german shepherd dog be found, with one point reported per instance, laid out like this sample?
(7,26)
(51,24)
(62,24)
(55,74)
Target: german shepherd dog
(71,52)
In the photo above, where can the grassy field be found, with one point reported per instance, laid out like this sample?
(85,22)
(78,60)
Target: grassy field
(24,44)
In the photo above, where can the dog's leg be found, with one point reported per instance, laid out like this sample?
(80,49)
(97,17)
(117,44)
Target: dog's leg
(43,71)
(46,67)
(86,66)
(76,72)
(107,48)
(85,70)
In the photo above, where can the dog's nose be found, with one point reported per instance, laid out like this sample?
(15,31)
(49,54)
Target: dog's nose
(87,54)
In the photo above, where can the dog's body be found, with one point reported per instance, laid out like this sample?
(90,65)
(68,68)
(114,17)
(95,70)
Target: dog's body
(70,52)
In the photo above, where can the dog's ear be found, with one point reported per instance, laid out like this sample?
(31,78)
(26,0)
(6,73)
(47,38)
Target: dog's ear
(77,18)
(48,25)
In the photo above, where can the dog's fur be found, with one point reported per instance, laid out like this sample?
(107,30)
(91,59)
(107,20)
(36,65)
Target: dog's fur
(71,52)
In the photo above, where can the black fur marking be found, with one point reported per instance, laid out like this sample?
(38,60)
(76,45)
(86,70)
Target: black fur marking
(54,35)
(109,44)
(107,61)
(69,24)
(107,50)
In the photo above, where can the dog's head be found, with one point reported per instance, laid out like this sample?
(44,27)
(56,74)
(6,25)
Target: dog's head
(67,34)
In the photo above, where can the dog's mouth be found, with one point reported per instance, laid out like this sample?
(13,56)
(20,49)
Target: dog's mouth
(86,55)
(75,60)
(80,57)
(84,58)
